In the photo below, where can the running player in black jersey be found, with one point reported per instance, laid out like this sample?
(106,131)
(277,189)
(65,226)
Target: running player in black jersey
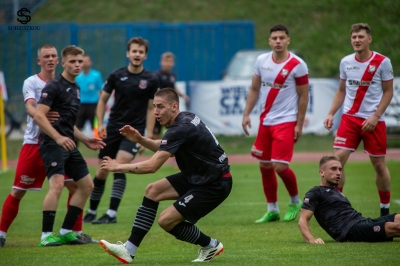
(336,216)
(134,89)
(58,149)
(167,80)
(203,183)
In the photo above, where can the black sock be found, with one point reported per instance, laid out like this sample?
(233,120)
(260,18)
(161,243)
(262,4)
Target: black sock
(48,221)
(71,217)
(117,190)
(145,217)
(97,193)
(190,233)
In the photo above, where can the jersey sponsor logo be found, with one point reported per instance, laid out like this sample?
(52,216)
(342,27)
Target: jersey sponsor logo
(274,85)
(352,68)
(195,121)
(54,164)
(352,82)
(266,69)
(377,228)
(222,157)
(123,78)
(182,204)
(143,84)
(188,198)
(163,142)
(306,200)
(340,140)
(27,180)
(44,95)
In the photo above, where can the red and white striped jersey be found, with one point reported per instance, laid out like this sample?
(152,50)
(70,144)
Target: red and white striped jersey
(364,83)
(32,89)
(278,93)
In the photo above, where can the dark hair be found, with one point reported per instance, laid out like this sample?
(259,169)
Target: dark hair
(279,27)
(360,26)
(169,94)
(326,159)
(139,41)
(72,50)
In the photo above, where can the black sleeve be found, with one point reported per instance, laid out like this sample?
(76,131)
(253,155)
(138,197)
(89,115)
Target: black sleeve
(311,199)
(173,139)
(109,84)
(154,88)
(50,93)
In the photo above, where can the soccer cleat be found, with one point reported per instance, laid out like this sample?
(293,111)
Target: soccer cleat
(206,254)
(269,217)
(50,241)
(105,219)
(117,250)
(89,217)
(71,239)
(86,238)
(2,241)
(384,211)
(291,214)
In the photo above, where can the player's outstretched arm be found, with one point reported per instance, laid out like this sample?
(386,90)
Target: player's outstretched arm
(305,216)
(133,135)
(145,167)
(91,143)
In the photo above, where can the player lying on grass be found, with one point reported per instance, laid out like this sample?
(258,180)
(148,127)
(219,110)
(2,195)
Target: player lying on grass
(336,216)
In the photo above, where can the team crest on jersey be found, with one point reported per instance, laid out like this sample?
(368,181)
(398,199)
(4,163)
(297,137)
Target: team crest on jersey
(143,84)
(164,142)
(377,228)
(371,69)
(172,79)
(306,200)
(284,72)
(44,95)
(53,164)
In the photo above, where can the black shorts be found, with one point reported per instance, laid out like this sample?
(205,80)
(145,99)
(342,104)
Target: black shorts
(370,230)
(59,161)
(86,112)
(116,142)
(157,128)
(196,202)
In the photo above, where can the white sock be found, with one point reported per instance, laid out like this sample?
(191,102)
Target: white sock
(111,213)
(385,205)
(92,212)
(273,207)
(45,234)
(3,234)
(130,247)
(64,231)
(295,199)
(77,233)
(213,243)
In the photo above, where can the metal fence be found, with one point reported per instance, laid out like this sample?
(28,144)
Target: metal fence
(202,50)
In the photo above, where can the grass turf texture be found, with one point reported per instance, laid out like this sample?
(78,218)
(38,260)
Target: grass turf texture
(277,243)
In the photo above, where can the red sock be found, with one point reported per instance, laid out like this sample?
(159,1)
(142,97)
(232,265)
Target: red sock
(289,179)
(78,224)
(384,196)
(340,189)
(9,212)
(270,184)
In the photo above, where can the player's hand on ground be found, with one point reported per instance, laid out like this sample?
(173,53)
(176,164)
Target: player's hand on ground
(52,116)
(109,164)
(65,142)
(328,122)
(95,144)
(130,133)
(369,124)
(317,241)
(102,132)
(298,131)
(246,123)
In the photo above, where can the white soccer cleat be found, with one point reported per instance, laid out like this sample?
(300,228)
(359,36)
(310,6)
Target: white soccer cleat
(206,254)
(117,250)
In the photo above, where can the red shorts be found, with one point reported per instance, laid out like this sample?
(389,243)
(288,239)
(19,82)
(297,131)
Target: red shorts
(30,173)
(274,143)
(349,136)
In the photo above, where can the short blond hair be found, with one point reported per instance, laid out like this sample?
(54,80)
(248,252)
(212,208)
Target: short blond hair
(45,46)
(72,50)
(167,55)
(326,159)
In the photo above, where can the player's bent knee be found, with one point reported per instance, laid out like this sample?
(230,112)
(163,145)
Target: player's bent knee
(17,193)
(279,167)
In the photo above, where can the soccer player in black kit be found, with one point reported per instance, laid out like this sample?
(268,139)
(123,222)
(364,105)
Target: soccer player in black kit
(167,80)
(336,216)
(134,89)
(57,146)
(203,183)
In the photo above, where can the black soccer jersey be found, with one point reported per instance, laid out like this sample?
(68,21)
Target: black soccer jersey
(167,80)
(132,95)
(63,97)
(198,153)
(332,211)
